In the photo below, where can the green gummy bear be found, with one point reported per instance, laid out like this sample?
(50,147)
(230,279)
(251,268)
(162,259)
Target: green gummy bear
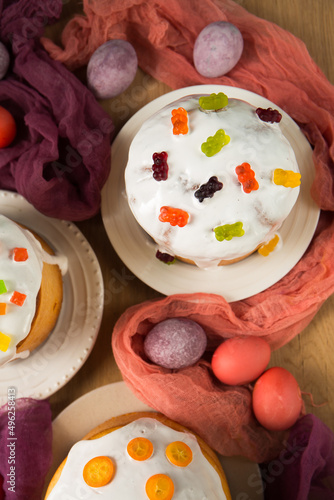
(215,143)
(229,231)
(213,101)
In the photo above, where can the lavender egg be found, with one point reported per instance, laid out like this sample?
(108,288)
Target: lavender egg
(111,69)
(175,343)
(4,60)
(217,49)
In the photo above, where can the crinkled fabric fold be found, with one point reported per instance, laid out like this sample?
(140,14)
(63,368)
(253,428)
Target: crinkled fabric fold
(60,158)
(304,470)
(27,446)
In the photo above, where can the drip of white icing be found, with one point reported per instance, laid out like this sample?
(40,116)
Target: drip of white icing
(253,141)
(197,481)
(24,277)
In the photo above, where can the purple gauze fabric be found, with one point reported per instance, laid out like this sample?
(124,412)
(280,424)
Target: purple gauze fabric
(304,470)
(26,445)
(60,158)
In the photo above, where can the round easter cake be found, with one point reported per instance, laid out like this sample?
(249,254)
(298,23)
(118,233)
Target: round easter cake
(142,456)
(31,290)
(211,179)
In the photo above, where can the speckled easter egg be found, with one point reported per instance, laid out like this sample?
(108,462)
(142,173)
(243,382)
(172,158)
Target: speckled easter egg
(4,60)
(111,69)
(175,343)
(217,49)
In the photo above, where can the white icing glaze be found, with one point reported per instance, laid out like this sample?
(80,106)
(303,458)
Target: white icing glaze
(197,481)
(262,212)
(24,277)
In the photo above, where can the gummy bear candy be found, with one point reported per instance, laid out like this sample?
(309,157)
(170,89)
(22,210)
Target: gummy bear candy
(229,231)
(208,189)
(165,257)
(215,143)
(213,101)
(266,249)
(4,342)
(246,176)
(160,166)
(286,178)
(175,216)
(269,115)
(180,121)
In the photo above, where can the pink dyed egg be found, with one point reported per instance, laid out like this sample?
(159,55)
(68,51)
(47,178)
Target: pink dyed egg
(175,343)
(240,360)
(217,49)
(277,401)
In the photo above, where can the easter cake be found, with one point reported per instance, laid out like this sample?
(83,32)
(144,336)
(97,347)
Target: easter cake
(144,456)
(31,290)
(211,179)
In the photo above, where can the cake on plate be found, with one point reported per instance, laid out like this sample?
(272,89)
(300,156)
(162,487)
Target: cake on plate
(211,179)
(141,455)
(31,290)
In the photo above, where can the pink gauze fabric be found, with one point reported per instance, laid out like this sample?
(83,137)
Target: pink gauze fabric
(26,445)
(60,158)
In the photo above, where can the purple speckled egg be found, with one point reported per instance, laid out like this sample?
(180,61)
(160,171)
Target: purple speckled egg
(217,49)
(111,69)
(175,343)
(4,60)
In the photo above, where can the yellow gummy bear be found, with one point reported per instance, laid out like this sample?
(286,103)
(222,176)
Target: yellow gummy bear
(286,178)
(229,231)
(266,249)
(213,101)
(4,342)
(215,143)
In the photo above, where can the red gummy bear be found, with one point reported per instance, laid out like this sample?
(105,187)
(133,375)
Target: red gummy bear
(175,216)
(246,176)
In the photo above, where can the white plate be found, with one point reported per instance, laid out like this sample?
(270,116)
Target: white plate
(54,363)
(111,400)
(234,282)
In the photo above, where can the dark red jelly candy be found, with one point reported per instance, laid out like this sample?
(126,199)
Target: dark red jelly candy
(160,166)
(208,189)
(165,257)
(269,115)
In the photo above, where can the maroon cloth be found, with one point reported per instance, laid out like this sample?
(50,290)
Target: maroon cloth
(304,470)
(27,446)
(60,158)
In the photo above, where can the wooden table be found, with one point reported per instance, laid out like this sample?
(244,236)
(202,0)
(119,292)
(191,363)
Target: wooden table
(308,356)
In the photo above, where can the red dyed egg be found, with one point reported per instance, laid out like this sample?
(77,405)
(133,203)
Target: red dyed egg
(240,360)
(277,400)
(7,128)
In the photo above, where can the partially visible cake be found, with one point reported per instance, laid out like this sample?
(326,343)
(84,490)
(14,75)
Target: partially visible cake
(31,290)
(211,179)
(120,460)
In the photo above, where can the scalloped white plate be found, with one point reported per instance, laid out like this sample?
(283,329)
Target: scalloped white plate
(234,282)
(108,401)
(57,360)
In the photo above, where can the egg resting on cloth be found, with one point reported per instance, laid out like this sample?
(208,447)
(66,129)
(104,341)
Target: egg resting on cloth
(60,158)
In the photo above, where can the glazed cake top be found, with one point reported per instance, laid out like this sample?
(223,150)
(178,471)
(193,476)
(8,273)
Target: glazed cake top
(248,140)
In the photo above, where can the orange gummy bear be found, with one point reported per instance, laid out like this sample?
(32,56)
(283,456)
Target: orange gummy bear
(246,176)
(175,216)
(266,249)
(180,121)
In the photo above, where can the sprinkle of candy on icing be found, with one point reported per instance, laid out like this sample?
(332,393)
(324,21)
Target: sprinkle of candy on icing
(269,115)
(20,254)
(180,121)
(3,288)
(3,308)
(229,231)
(246,176)
(18,298)
(286,178)
(4,342)
(266,249)
(208,189)
(213,102)
(175,216)
(215,143)
(160,166)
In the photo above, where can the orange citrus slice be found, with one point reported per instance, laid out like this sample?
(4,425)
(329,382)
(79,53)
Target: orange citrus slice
(98,471)
(159,487)
(140,448)
(179,453)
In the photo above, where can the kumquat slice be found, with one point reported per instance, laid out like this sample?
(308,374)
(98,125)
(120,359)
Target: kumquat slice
(159,487)
(140,448)
(179,453)
(98,471)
